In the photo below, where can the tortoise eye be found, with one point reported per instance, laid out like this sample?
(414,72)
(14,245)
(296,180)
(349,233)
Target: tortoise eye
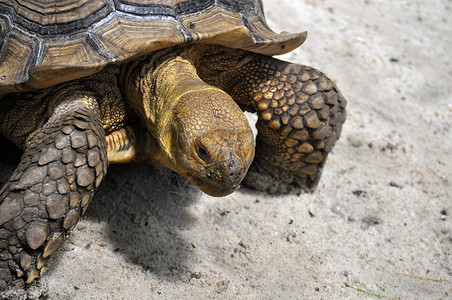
(203,154)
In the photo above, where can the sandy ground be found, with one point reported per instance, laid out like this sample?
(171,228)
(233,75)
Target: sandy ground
(380,220)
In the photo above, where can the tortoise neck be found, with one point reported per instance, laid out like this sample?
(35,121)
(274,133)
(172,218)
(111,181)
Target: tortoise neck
(155,86)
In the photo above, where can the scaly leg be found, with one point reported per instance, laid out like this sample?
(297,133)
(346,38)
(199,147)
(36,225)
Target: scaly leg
(300,115)
(50,189)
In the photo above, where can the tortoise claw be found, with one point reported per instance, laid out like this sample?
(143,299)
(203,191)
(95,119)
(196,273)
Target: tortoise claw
(32,275)
(41,262)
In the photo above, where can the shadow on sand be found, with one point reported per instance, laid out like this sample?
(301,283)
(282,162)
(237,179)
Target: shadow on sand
(145,209)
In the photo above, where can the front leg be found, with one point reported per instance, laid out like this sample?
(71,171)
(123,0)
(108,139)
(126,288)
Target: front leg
(300,113)
(62,166)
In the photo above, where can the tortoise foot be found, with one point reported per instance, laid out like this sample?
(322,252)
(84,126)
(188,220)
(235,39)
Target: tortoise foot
(276,180)
(49,190)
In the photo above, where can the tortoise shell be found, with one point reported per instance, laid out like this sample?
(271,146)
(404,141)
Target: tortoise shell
(46,42)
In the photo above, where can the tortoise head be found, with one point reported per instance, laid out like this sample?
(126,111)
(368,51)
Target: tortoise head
(211,142)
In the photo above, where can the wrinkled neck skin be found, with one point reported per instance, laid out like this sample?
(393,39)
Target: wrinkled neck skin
(201,132)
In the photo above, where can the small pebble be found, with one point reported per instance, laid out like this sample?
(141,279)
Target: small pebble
(360,193)
(397,183)
(370,221)
(224,213)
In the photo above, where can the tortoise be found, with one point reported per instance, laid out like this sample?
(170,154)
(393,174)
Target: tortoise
(84,84)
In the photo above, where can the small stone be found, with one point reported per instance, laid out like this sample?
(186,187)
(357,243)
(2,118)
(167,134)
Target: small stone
(360,193)
(36,234)
(370,221)
(397,183)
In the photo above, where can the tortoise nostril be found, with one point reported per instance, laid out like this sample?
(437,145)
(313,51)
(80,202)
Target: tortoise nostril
(236,173)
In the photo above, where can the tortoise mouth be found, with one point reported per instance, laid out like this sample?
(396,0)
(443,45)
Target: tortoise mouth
(214,188)
(218,181)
